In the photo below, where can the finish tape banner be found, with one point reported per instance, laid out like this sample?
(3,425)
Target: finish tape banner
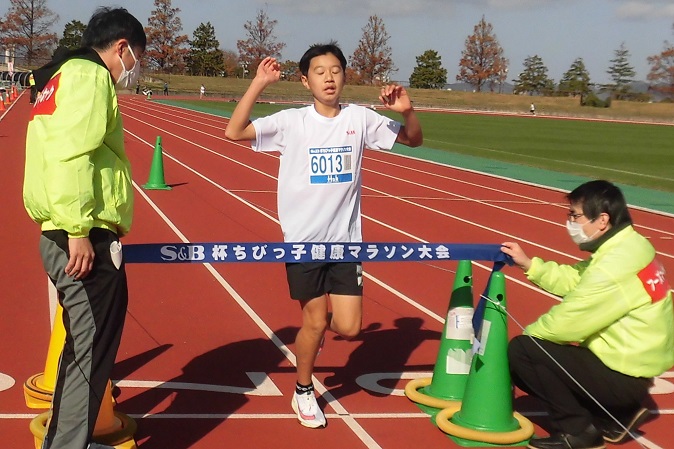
(310,252)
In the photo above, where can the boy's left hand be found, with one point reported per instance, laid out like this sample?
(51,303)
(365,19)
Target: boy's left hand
(395,98)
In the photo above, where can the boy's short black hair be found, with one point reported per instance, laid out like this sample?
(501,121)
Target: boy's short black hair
(320,50)
(108,25)
(599,197)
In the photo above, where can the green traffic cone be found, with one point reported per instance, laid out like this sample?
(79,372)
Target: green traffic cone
(487,400)
(456,345)
(156,179)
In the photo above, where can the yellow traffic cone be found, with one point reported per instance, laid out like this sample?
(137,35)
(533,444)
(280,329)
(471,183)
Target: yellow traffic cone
(38,390)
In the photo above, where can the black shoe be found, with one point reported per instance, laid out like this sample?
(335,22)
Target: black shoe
(590,439)
(614,433)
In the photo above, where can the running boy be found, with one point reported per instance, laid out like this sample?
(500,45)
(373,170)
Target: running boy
(319,185)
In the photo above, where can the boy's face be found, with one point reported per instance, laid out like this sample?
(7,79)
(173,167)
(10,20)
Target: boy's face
(325,79)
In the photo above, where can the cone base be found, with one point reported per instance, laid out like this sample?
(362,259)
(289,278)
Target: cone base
(470,443)
(120,438)
(502,423)
(414,390)
(149,186)
(35,394)
(470,437)
(452,392)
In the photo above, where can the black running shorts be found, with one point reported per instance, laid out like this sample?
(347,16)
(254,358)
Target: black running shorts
(314,279)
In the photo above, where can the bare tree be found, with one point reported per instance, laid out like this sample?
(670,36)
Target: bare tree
(260,42)
(290,71)
(26,28)
(482,62)
(372,61)
(661,75)
(166,47)
(230,62)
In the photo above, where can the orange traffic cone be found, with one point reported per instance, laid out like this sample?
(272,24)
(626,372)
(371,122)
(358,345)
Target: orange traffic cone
(2,104)
(114,428)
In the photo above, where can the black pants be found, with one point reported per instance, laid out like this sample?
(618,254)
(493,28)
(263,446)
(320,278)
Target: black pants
(94,309)
(570,408)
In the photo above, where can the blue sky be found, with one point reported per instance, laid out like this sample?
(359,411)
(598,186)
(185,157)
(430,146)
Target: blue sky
(559,31)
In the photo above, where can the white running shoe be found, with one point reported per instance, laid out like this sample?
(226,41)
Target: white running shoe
(308,412)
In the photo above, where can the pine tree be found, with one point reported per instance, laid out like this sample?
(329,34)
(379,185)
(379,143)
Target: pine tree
(534,78)
(576,80)
(372,60)
(72,35)
(429,73)
(205,58)
(482,62)
(621,72)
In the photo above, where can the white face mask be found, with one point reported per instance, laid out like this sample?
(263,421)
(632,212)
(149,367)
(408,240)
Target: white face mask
(129,77)
(576,232)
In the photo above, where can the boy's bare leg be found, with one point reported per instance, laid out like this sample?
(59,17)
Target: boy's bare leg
(347,315)
(345,320)
(314,324)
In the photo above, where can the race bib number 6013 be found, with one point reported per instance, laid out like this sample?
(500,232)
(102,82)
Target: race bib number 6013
(331,165)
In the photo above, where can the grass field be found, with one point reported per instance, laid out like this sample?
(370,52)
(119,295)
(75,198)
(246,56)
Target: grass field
(233,88)
(629,153)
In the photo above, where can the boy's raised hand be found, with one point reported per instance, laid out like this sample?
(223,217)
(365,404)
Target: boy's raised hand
(395,98)
(269,70)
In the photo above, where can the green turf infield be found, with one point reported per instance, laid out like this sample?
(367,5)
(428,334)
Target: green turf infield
(563,152)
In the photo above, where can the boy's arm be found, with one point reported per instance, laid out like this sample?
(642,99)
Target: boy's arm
(395,98)
(239,126)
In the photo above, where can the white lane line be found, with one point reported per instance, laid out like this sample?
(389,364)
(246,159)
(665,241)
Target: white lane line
(528,286)
(355,427)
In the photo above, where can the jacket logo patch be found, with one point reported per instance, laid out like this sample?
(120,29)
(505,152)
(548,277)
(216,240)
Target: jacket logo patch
(45,102)
(653,278)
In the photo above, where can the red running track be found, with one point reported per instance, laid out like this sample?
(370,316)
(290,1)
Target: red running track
(207,355)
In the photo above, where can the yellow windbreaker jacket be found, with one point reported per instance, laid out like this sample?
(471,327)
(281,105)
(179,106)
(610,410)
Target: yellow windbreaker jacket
(77,174)
(617,303)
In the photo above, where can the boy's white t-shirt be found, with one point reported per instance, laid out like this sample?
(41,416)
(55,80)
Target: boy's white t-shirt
(320,171)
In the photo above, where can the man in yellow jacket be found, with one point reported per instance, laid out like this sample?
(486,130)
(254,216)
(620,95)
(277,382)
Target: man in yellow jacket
(77,186)
(592,358)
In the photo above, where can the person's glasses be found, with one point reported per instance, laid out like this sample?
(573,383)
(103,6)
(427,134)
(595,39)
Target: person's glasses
(574,217)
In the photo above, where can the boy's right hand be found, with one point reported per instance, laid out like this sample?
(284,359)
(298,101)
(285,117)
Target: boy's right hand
(269,71)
